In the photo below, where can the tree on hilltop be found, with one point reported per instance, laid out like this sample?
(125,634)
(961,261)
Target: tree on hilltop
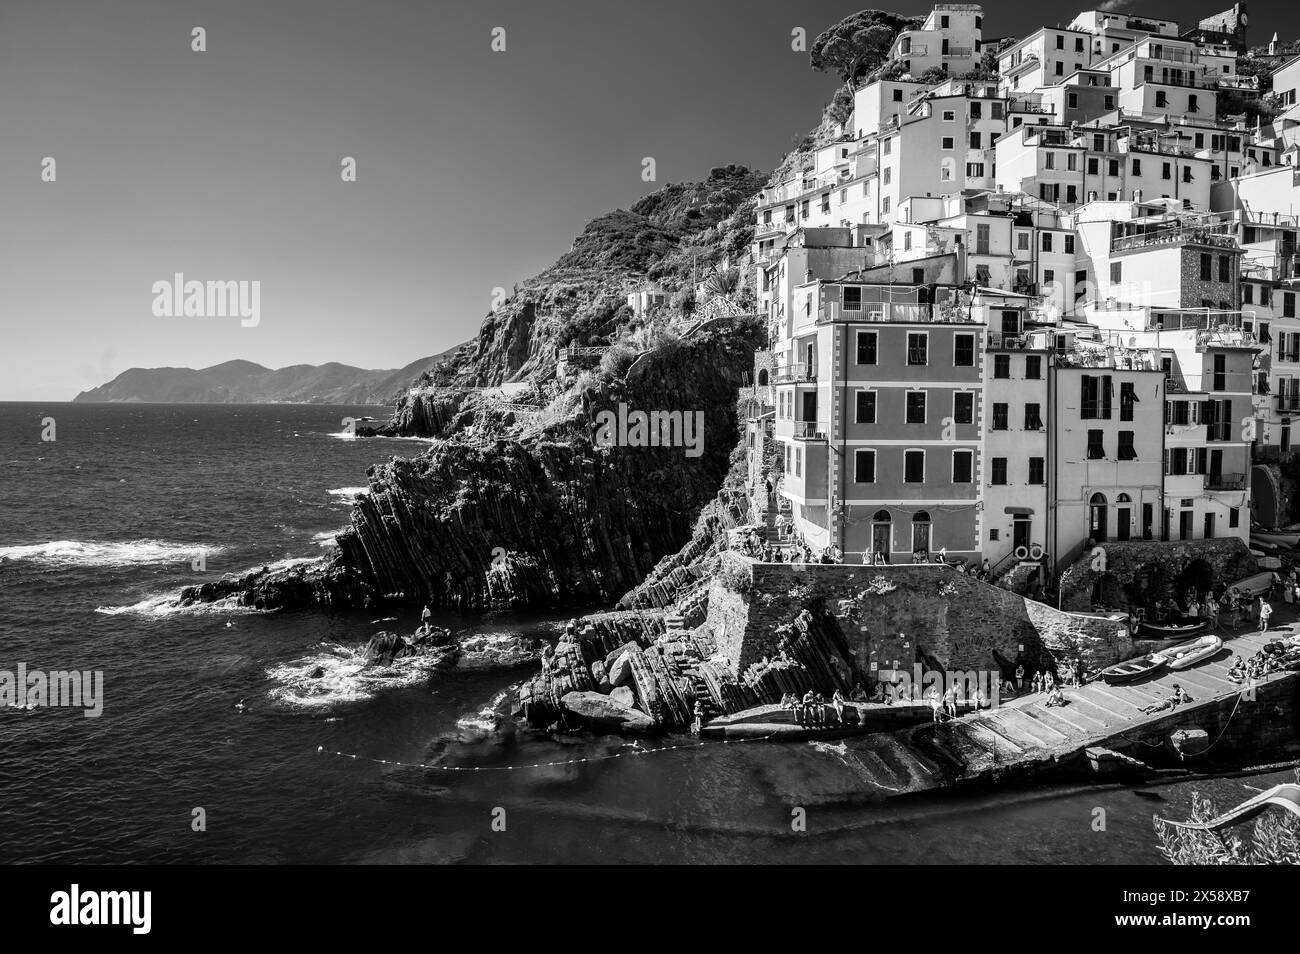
(859,44)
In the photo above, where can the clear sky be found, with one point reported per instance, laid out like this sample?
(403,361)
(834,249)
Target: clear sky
(475,168)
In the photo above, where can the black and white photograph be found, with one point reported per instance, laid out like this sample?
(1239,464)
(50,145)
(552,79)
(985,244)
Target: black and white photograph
(719,433)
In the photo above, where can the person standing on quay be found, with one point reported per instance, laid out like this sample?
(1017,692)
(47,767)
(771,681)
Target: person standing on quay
(1265,611)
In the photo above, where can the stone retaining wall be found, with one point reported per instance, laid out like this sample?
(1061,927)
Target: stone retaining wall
(902,615)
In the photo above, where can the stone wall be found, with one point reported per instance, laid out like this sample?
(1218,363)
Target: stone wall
(1136,572)
(902,615)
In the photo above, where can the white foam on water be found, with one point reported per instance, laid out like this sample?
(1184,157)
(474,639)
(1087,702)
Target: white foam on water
(349,494)
(280,565)
(166,605)
(484,650)
(485,719)
(343,435)
(107,553)
(327,538)
(345,677)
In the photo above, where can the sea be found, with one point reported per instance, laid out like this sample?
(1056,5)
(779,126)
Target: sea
(233,736)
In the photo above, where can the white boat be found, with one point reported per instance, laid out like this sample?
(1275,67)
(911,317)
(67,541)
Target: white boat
(1188,654)
(1253,586)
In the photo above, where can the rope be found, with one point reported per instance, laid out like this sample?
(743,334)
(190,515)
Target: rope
(634,746)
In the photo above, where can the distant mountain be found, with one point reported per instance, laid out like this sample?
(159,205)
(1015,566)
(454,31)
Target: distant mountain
(244,382)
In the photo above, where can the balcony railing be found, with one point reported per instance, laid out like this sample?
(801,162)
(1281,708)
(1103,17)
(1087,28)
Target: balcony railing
(890,312)
(796,374)
(1173,236)
(1288,402)
(810,430)
(959,51)
(1225,482)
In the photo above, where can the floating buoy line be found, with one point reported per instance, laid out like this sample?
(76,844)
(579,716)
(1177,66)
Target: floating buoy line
(635,747)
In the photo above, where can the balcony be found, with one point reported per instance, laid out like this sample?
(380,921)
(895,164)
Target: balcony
(959,52)
(886,311)
(1225,482)
(1174,236)
(810,430)
(768,228)
(796,374)
(1291,356)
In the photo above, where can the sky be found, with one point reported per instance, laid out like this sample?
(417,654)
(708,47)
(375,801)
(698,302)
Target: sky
(475,168)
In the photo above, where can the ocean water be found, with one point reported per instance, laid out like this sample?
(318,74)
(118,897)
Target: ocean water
(99,528)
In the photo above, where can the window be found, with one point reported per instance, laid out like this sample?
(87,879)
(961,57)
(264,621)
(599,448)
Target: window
(1126,448)
(852,298)
(1036,470)
(999,417)
(1095,396)
(1002,366)
(1069,245)
(1187,177)
(975,140)
(1022,241)
(866,407)
(866,347)
(1191,103)
(949,116)
(1161,98)
(1047,241)
(1234,517)
(1060,42)
(1072,100)
(1109,102)
(963,407)
(914,467)
(998,475)
(1049,276)
(963,351)
(915,413)
(898,95)
(1112,167)
(962,466)
(1288,304)
(1033,419)
(1092,165)
(864,467)
(1049,160)
(1137,167)
(917,349)
(1207,267)
(948,142)
(1116,272)
(798,461)
(1224,274)
(1096,445)
(1033,366)
(1127,398)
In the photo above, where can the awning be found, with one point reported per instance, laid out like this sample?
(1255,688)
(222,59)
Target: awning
(1021,511)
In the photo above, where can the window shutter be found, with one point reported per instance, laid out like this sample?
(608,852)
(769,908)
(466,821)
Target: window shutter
(1200,460)
(1106,391)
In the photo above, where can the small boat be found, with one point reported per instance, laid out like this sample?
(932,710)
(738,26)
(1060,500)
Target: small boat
(1133,669)
(1192,652)
(1254,585)
(1171,629)
(1275,537)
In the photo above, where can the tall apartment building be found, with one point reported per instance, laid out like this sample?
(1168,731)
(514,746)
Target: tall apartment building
(948,40)
(878,393)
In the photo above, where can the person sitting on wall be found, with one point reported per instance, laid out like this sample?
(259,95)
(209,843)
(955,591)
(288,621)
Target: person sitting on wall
(797,711)
(859,694)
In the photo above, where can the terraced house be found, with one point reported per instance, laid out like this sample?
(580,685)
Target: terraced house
(1015,315)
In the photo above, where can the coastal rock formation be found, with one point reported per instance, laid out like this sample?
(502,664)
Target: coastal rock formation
(324,584)
(605,712)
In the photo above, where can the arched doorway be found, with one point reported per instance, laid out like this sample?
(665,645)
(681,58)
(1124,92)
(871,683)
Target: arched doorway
(882,526)
(1097,517)
(762,377)
(1123,517)
(1197,575)
(921,533)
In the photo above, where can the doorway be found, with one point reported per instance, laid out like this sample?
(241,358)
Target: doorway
(1097,518)
(881,527)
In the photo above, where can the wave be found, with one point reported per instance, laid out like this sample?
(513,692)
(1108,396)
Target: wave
(166,605)
(485,720)
(327,538)
(336,675)
(343,435)
(106,553)
(488,650)
(349,494)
